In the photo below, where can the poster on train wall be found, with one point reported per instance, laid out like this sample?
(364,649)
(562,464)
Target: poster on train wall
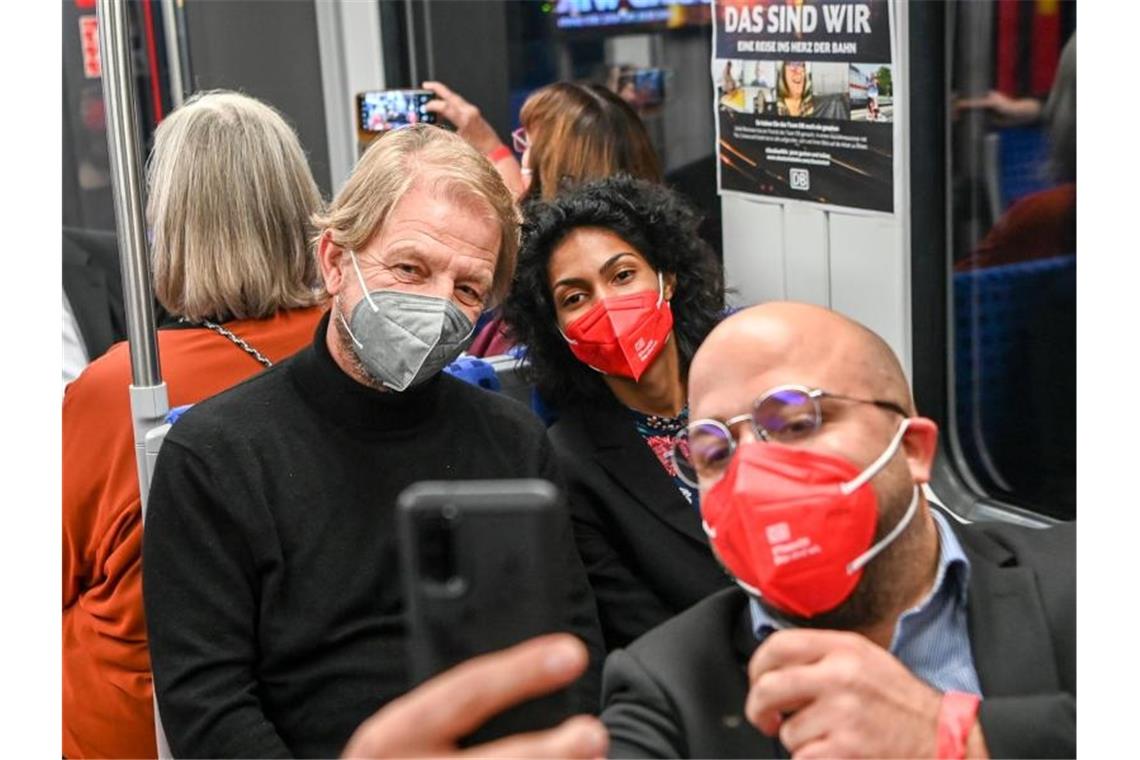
(804,100)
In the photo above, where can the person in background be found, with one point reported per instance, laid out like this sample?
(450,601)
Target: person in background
(570,133)
(74,351)
(229,200)
(873,97)
(728,83)
(93,316)
(867,622)
(1042,224)
(613,295)
(272,587)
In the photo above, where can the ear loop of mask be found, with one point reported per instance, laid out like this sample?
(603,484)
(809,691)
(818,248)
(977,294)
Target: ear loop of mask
(340,311)
(360,278)
(340,316)
(873,469)
(859,562)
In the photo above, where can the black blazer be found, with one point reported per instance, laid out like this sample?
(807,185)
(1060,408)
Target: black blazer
(645,553)
(94,287)
(680,690)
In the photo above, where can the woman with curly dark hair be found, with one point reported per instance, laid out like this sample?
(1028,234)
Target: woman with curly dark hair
(613,294)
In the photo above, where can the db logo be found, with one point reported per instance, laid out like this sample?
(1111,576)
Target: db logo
(799,179)
(778,533)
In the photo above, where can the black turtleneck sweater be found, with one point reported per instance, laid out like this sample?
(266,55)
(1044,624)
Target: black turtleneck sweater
(270,572)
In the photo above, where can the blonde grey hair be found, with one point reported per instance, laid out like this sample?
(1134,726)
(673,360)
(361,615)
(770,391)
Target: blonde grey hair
(391,167)
(230,201)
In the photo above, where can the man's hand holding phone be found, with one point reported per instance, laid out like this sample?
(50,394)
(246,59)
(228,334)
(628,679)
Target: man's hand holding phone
(432,719)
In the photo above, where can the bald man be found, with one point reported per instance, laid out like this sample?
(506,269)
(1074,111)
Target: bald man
(867,622)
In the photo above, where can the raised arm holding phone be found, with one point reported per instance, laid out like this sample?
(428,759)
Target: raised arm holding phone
(570,133)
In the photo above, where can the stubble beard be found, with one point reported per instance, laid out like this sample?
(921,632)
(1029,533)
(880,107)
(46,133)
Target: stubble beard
(348,351)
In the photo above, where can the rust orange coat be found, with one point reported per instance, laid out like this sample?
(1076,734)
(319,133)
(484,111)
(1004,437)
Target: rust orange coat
(107,708)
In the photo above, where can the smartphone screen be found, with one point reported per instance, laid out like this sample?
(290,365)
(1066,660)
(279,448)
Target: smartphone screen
(642,88)
(649,84)
(382,110)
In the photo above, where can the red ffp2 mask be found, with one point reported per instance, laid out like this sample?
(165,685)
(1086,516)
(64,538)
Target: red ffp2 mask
(795,526)
(622,335)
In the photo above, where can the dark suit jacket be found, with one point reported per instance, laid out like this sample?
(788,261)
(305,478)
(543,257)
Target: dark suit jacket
(679,691)
(645,553)
(94,287)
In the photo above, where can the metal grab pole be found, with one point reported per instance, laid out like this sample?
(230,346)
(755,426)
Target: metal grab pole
(173,52)
(149,403)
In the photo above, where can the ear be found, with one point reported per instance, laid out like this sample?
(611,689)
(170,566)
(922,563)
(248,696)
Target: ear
(920,442)
(330,258)
(670,281)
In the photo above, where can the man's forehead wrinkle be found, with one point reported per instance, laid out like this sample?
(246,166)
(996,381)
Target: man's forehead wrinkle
(408,230)
(442,213)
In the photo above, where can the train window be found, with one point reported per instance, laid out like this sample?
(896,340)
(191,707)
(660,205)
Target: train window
(1012,282)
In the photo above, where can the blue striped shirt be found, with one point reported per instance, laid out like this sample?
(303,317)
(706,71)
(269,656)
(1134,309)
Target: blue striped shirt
(931,638)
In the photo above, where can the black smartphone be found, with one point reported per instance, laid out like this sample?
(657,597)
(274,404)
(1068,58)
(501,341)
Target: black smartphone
(382,110)
(477,576)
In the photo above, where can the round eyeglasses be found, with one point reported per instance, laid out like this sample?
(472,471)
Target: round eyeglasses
(785,414)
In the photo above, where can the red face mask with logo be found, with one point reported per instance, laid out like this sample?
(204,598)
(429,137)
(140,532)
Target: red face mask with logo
(794,527)
(622,335)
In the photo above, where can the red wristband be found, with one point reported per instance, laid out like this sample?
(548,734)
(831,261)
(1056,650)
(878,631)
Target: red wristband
(498,154)
(955,721)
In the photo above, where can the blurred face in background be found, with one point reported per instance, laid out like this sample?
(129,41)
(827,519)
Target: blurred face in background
(794,76)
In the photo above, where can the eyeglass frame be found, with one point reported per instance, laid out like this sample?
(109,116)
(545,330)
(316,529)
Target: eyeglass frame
(520,140)
(814,394)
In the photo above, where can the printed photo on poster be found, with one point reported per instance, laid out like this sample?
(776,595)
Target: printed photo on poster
(796,89)
(871,93)
(800,114)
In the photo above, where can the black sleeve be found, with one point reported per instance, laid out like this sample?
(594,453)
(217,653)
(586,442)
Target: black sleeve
(1040,725)
(200,595)
(627,607)
(582,613)
(638,715)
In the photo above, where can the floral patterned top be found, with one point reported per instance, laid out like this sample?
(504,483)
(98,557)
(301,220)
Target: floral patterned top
(659,434)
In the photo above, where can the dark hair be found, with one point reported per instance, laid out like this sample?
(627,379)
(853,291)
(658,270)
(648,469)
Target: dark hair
(583,132)
(659,225)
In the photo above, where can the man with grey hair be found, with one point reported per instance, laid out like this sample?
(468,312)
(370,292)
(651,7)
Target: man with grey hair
(270,563)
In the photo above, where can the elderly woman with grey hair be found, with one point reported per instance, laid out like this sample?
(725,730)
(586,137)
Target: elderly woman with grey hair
(230,203)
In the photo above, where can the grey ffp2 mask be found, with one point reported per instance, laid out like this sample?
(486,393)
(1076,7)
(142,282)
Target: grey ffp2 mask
(403,339)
